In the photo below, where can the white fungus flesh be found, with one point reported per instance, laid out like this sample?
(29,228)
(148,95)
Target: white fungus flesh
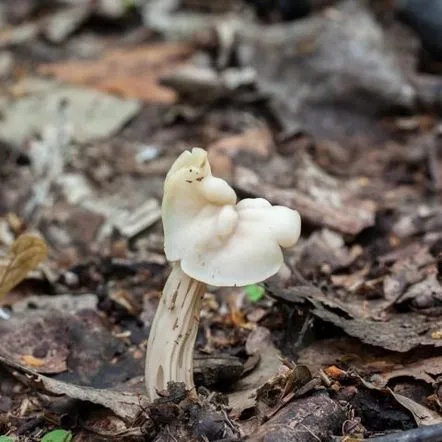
(210,239)
(216,240)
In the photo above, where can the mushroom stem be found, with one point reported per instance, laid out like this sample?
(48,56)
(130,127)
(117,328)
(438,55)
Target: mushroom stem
(169,356)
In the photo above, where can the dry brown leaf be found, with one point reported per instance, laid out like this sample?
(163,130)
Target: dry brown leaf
(238,319)
(335,372)
(436,334)
(256,141)
(353,216)
(422,415)
(130,73)
(128,406)
(427,369)
(32,361)
(351,281)
(25,253)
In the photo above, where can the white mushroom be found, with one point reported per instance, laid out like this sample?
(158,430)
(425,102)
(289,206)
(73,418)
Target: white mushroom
(209,239)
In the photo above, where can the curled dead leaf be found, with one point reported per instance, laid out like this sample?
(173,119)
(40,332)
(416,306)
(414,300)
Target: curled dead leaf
(335,372)
(25,254)
(422,415)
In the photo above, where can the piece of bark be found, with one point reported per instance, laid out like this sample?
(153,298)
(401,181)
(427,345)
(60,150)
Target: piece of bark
(305,420)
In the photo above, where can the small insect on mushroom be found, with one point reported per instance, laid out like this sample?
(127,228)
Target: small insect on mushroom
(210,239)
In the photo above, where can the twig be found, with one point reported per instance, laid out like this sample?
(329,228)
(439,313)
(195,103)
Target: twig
(278,407)
(170,434)
(430,433)
(308,322)
(311,432)
(229,422)
(130,432)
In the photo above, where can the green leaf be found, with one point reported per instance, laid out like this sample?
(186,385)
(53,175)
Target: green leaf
(57,436)
(6,439)
(129,4)
(254,292)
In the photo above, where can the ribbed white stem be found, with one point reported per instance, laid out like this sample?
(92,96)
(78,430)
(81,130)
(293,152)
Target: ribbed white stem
(169,355)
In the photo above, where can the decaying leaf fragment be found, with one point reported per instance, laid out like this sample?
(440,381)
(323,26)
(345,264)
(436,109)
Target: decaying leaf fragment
(258,343)
(125,405)
(25,254)
(421,414)
(127,72)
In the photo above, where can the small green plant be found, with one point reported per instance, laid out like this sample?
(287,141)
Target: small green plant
(254,292)
(6,439)
(129,5)
(57,436)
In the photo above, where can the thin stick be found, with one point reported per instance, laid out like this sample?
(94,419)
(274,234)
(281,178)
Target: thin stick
(430,433)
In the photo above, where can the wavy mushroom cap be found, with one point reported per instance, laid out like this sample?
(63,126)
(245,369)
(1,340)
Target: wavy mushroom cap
(217,241)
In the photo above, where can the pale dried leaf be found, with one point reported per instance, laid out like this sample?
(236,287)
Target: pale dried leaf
(421,414)
(125,405)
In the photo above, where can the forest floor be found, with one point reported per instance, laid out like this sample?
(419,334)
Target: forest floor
(335,115)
